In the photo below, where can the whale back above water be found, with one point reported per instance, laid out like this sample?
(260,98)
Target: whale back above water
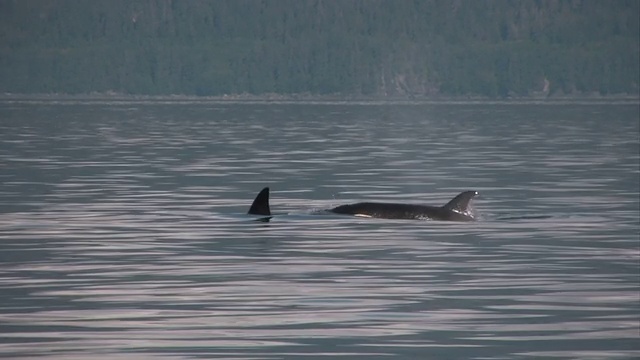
(458,209)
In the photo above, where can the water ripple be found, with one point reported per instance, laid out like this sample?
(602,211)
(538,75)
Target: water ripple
(123,232)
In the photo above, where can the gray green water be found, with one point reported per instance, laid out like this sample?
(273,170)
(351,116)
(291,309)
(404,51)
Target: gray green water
(123,232)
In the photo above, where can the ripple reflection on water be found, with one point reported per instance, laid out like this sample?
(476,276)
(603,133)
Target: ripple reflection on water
(126,237)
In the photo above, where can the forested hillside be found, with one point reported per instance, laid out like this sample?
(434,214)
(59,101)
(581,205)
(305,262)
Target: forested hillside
(350,47)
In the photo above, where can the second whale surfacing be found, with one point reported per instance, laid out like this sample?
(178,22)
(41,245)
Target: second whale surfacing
(458,209)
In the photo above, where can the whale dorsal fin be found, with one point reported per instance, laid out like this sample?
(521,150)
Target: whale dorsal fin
(461,203)
(260,205)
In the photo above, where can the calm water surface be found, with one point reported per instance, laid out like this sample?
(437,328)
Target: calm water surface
(123,232)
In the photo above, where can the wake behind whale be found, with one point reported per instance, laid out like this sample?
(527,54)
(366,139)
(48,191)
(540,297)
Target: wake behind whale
(458,209)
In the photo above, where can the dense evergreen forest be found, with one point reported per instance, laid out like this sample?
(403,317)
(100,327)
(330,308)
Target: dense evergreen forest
(399,48)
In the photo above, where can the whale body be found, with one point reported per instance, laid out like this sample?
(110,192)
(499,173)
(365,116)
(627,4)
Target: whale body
(458,209)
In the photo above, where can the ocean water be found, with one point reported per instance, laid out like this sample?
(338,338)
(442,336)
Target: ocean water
(124,233)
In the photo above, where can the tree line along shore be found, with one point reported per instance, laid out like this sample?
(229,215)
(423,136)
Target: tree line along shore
(318,48)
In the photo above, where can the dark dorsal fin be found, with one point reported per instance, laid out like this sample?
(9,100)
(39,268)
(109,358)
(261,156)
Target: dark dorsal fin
(461,202)
(260,205)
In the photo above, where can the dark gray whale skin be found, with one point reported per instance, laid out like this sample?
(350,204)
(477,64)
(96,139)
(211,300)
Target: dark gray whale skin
(458,209)
(260,205)
(402,211)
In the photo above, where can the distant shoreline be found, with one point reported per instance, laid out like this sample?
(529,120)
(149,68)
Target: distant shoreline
(319,99)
